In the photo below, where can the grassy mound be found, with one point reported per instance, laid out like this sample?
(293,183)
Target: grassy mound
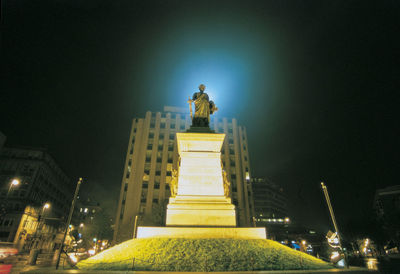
(201,255)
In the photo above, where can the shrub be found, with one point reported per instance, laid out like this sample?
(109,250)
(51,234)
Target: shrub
(201,255)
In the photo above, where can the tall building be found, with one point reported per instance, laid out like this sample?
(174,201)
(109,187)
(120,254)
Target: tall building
(29,179)
(387,212)
(152,156)
(270,206)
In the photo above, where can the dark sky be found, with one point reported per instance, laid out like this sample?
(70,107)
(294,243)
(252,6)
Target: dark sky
(314,82)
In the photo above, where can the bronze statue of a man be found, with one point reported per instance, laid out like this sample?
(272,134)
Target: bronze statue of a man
(203,108)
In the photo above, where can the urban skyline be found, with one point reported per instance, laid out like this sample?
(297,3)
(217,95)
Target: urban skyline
(314,84)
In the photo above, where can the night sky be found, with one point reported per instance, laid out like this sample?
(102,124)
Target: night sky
(314,82)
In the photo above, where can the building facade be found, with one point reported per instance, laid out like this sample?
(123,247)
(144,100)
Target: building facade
(270,206)
(30,179)
(152,156)
(387,215)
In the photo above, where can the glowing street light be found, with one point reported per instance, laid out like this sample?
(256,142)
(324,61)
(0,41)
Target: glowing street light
(46,206)
(81,225)
(14,183)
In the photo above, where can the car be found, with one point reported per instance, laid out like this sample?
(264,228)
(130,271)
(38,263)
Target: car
(7,249)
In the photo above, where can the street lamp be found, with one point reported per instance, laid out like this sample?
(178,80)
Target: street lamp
(14,183)
(37,236)
(328,201)
(68,221)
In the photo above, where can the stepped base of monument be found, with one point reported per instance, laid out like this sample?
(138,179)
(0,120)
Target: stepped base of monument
(201,232)
(200,211)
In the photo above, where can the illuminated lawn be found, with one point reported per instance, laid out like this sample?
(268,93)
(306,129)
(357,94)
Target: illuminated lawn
(201,255)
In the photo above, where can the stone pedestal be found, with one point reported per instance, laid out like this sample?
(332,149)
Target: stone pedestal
(200,199)
(202,232)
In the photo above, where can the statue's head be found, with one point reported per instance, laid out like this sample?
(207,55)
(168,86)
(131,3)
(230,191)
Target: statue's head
(202,87)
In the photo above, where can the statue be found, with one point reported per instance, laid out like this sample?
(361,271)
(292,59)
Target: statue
(173,184)
(203,108)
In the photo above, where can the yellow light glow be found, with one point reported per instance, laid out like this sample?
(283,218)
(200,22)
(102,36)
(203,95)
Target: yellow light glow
(91,252)
(201,232)
(287,220)
(46,205)
(15,182)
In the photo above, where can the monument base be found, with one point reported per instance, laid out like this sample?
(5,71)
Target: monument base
(201,232)
(200,211)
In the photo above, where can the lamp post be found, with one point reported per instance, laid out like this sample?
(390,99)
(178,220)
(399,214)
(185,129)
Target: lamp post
(33,254)
(14,183)
(68,221)
(4,203)
(328,201)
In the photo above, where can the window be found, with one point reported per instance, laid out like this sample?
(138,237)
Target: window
(158,160)
(162,125)
(150,147)
(125,189)
(158,173)
(233,176)
(156,186)
(160,148)
(172,125)
(145,185)
(172,136)
(155,200)
(151,135)
(168,173)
